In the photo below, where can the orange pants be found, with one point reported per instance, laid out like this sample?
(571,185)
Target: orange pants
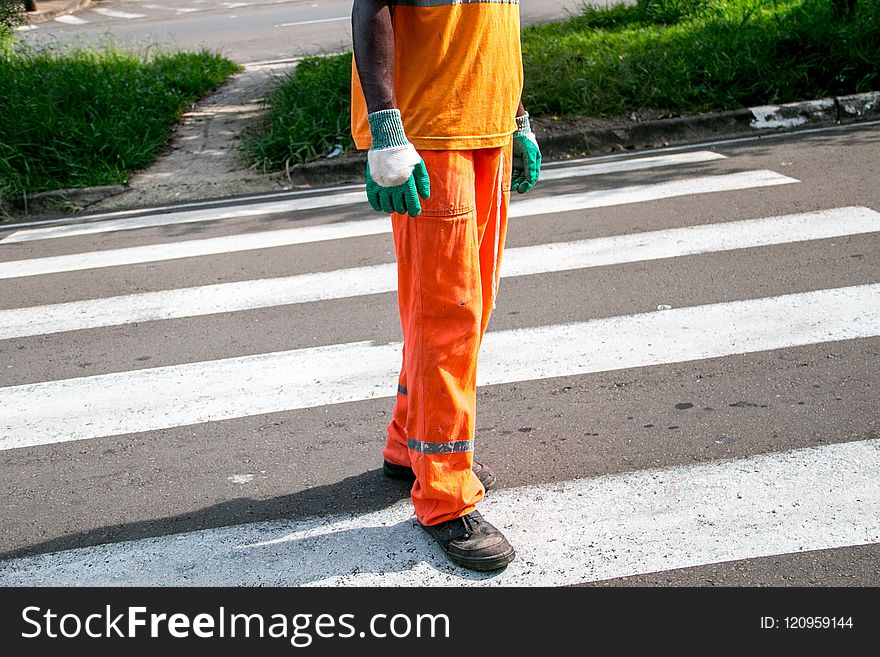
(448,261)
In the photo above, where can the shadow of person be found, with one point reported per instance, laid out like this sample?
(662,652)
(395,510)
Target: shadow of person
(384,546)
(363,493)
(361,551)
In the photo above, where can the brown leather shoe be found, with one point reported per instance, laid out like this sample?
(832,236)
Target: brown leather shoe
(484,473)
(472,542)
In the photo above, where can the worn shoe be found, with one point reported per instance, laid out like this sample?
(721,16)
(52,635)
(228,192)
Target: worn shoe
(472,542)
(484,473)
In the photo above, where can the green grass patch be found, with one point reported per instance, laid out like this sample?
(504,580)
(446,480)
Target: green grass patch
(676,56)
(308,114)
(12,13)
(716,56)
(88,117)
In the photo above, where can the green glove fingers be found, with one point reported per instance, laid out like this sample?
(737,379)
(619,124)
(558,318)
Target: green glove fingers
(422,181)
(526,157)
(385,201)
(411,199)
(399,200)
(396,175)
(403,198)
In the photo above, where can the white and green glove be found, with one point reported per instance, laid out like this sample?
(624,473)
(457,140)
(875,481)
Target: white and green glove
(396,174)
(526,156)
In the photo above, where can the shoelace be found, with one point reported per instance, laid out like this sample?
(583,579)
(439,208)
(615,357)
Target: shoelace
(469,524)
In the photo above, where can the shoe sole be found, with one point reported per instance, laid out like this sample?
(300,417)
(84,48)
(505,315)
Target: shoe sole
(403,473)
(484,565)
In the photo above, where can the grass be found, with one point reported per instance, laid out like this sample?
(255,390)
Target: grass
(309,114)
(720,55)
(12,13)
(677,56)
(88,117)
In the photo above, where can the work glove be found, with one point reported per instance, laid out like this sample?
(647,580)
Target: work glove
(526,156)
(396,174)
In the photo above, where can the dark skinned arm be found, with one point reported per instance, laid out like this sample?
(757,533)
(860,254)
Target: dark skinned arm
(373,40)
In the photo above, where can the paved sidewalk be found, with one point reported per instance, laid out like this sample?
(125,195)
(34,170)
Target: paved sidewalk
(50,9)
(204,159)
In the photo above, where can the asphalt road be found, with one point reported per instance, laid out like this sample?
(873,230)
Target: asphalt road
(694,407)
(246,31)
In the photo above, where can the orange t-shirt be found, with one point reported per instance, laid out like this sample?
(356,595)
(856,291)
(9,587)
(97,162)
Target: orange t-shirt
(458,74)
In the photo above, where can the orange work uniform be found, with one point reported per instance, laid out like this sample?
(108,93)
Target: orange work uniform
(458,80)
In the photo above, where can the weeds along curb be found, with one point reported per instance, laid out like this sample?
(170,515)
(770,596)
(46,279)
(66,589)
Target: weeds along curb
(63,201)
(559,140)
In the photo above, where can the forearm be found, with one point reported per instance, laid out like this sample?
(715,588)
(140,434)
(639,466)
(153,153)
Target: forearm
(373,41)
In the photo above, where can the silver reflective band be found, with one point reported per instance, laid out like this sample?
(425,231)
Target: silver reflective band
(401,390)
(440,448)
(449,3)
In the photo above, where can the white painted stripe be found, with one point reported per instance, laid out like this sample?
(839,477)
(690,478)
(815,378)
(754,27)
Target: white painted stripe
(70,20)
(792,115)
(144,400)
(845,127)
(216,203)
(692,240)
(635,164)
(113,13)
(316,21)
(601,198)
(192,248)
(518,208)
(591,529)
(197,301)
(272,63)
(187,217)
(246,242)
(544,258)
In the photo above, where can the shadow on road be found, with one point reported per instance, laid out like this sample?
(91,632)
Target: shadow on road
(364,493)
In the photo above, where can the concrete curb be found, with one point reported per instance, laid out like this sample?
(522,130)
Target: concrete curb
(559,141)
(55,8)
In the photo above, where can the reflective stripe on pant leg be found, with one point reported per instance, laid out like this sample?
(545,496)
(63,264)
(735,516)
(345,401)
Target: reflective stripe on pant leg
(440,300)
(440,448)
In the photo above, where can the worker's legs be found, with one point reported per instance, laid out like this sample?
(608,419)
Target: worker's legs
(448,260)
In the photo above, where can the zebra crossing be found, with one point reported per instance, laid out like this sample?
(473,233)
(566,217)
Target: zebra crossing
(133,10)
(339,269)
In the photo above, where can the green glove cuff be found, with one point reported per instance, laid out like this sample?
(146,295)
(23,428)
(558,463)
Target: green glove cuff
(386,129)
(523,124)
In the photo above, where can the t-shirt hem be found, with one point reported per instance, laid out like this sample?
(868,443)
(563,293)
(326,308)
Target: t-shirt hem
(448,143)
(460,143)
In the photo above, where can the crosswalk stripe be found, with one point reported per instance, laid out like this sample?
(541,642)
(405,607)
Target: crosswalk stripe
(635,164)
(187,216)
(115,13)
(313,22)
(318,201)
(590,529)
(284,237)
(544,258)
(144,400)
(70,20)
(193,248)
(571,165)
(641,193)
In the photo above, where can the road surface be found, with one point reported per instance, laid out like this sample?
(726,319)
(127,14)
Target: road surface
(679,384)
